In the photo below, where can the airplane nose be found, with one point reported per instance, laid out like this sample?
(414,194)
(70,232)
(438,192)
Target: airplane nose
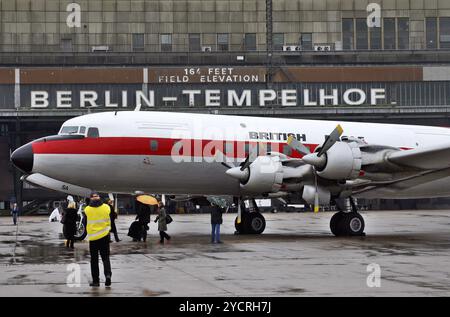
(22,158)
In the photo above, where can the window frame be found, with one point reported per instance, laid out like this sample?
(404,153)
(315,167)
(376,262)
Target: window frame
(133,42)
(250,49)
(166,47)
(90,136)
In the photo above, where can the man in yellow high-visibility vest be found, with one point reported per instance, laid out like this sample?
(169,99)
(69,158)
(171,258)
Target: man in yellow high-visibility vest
(98,225)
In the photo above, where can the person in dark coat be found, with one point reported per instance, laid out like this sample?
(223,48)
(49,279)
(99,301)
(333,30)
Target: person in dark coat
(216,221)
(69,221)
(143,216)
(162,223)
(113,217)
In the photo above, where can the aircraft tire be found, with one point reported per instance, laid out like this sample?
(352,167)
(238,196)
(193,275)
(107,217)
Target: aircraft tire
(240,227)
(351,224)
(334,223)
(81,234)
(255,223)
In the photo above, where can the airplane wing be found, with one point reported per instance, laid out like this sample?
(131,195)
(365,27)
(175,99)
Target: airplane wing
(407,185)
(426,158)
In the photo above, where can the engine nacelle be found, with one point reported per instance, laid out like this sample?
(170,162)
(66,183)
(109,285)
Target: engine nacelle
(265,175)
(343,161)
(309,193)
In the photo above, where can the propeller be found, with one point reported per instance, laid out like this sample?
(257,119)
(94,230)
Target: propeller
(241,172)
(252,155)
(331,140)
(239,215)
(316,160)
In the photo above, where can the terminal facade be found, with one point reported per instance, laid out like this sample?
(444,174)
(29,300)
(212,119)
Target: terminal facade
(380,61)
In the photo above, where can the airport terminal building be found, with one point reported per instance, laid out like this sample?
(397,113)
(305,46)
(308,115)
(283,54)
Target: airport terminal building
(365,60)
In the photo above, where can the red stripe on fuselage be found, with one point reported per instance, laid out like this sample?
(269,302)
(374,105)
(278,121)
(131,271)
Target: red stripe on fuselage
(142,146)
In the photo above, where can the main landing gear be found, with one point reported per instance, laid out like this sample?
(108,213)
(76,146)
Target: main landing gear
(349,223)
(252,221)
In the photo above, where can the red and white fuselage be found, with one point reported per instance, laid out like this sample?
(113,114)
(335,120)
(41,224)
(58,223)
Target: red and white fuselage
(176,153)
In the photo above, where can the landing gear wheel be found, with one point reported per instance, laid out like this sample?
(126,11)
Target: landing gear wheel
(353,224)
(255,223)
(335,220)
(251,223)
(241,228)
(347,224)
(81,232)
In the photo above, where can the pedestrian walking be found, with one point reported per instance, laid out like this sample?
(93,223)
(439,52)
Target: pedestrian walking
(69,221)
(15,213)
(113,215)
(216,221)
(162,223)
(143,212)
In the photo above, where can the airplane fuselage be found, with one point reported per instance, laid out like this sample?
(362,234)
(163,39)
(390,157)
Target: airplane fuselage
(176,153)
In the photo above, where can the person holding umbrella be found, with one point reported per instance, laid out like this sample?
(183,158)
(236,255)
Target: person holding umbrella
(143,211)
(216,218)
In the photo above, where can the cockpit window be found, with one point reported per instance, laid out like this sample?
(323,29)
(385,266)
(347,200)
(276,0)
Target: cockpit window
(82,130)
(93,133)
(69,130)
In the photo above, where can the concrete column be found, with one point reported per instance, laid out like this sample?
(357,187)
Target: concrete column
(16,142)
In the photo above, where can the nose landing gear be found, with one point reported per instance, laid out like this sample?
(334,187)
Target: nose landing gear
(347,223)
(252,222)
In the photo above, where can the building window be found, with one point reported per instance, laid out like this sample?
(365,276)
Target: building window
(403,33)
(66,45)
(194,42)
(166,42)
(222,42)
(347,34)
(431,33)
(306,41)
(250,42)
(361,34)
(138,42)
(375,38)
(278,41)
(444,32)
(389,33)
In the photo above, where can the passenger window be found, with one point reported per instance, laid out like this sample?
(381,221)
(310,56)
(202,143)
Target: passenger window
(154,145)
(82,130)
(93,133)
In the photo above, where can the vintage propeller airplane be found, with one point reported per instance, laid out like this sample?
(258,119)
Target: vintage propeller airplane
(319,162)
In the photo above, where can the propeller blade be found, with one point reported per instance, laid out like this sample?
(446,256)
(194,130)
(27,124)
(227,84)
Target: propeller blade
(294,144)
(316,202)
(316,195)
(331,140)
(226,165)
(252,155)
(222,158)
(246,163)
(239,212)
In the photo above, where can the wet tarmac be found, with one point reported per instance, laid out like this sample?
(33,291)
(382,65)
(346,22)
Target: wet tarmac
(296,256)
